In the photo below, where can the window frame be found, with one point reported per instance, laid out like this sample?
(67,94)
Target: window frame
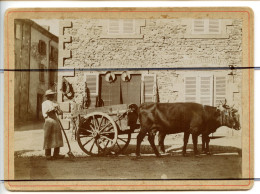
(223,34)
(213,84)
(138,23)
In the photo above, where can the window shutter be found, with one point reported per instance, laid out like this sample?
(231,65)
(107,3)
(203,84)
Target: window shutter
(214,26)
(220,89)
(190,89)
(92,81)
(114,26)
(206,90)
(198,26)
(149,88)
(128,26)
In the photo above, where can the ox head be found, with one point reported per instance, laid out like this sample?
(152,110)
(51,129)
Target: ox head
(229,116)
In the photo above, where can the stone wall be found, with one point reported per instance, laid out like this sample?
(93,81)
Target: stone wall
(163,45)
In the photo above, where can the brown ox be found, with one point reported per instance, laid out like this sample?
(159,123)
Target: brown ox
(190,118)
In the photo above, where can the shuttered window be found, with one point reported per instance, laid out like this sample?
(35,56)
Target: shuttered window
(120,26)
(149,88)
(191,89)
(206,26)
(220,89)
(92,81)
(199,89)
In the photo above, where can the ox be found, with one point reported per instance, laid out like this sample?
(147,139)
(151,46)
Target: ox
(190,118)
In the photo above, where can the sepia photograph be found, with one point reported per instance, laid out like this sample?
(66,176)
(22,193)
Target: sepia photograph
(130,98)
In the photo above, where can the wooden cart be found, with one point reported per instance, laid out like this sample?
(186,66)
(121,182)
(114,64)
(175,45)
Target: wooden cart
(105,130)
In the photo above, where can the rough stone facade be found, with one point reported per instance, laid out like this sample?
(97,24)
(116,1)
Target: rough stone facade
(164,43)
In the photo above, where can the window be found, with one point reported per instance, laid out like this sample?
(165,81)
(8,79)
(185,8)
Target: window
(41,73)
(122,28)
(220,89)
(53,54)
(149,88)
(92,83)
(42,47)
(206,28)
(140,88)
(206,90)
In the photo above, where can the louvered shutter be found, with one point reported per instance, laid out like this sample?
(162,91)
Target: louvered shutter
(128,26)
(214,26)
(114,26)
(198,26)
(190,89)
(206,90)
(92,81)
(149,88)
(220,89)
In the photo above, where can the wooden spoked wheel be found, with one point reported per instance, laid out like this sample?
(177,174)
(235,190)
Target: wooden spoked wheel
(97,133)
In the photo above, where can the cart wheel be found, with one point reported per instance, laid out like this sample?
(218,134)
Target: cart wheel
(97,133)
(121,144)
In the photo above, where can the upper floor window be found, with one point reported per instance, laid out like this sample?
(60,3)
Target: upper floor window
(206,28)
(122,28)
(42,47)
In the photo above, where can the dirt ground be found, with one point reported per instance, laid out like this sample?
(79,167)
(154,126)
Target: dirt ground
(224,163)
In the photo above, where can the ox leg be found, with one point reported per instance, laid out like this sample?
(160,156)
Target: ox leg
(161,137)
(185,142)
(140,138)
(207,139)
(151,136)
(195,143)
(203,143)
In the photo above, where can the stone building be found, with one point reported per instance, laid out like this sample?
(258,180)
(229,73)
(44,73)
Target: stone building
(152,43)
(36,50)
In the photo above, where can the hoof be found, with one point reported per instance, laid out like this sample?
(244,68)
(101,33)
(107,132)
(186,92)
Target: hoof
(184,155)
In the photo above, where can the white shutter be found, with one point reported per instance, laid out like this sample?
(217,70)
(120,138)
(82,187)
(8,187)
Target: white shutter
(113,26)
(92,81)
(206,90)
(206,26)
(214,26)
(148,88)
(198,26)
(190,89)
(128,27)
(199,89)
(220,89)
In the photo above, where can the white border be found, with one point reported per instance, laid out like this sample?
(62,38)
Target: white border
(255,5)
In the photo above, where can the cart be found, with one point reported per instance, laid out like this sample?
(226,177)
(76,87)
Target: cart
(105,130)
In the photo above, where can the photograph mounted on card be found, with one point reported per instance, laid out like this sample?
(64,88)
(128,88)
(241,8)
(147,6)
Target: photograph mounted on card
(129,99)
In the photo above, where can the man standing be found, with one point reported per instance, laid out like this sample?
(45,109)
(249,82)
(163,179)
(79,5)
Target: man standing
(52,130)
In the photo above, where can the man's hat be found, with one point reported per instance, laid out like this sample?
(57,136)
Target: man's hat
(49,92)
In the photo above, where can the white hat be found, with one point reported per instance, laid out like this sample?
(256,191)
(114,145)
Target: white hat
(49,92)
